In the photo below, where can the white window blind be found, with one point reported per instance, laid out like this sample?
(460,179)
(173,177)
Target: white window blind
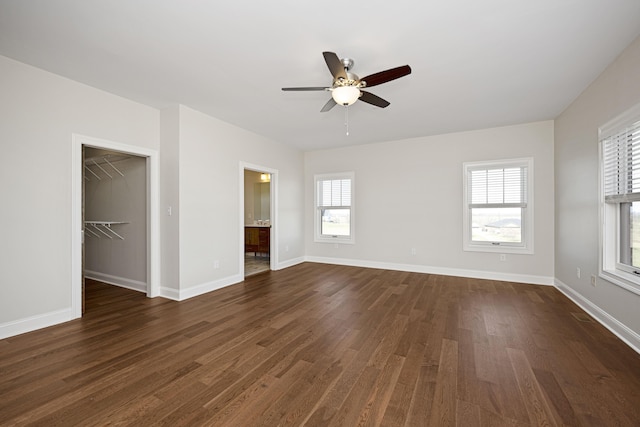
(621,164)
(497,187)
(334,193)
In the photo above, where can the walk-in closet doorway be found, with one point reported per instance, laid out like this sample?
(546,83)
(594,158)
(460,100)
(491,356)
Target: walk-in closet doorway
(115,217)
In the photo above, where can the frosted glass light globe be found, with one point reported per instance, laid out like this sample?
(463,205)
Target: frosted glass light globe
(345,95)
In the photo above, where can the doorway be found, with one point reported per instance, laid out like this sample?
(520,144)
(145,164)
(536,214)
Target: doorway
(257,219)
(257,226)
(115,218)
(113,227)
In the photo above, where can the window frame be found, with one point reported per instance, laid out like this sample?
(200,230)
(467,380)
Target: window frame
(611,228)
(317,215)
(527,218)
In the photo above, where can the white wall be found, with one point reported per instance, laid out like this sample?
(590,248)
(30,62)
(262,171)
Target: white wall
(211,224)
(170,200)
(408,194)
(577,205)
(39,112)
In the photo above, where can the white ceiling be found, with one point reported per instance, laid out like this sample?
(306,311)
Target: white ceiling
(476,63)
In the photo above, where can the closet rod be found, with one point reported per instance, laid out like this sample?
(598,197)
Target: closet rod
(100,230)
(88,230)
(103,227)
(109,228)
(102,169)
(114,168)
(92,172)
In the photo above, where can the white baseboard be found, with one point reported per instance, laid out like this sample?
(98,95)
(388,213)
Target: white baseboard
(170,293)
(475,274)
(203,288)
(289,263)
(194,291)
(619,329)
(32,323)
(123,282)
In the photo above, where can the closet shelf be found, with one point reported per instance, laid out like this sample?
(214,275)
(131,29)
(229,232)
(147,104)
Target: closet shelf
(104,160)
(103,227)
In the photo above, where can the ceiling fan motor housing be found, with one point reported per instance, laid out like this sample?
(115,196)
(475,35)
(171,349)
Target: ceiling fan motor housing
(351,80)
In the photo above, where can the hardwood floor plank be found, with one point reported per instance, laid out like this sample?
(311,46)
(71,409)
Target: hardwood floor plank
(304,393)
(417,411)
(588,360)
(557,398)
(467,414)
(250,406)
(486,368)
(540,412)
(331,403)
(401,398)
(349,412)
(319,345)
(373,411)
(426,371)
(443,407)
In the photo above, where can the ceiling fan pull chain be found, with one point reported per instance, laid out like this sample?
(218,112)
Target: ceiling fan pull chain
(346,118)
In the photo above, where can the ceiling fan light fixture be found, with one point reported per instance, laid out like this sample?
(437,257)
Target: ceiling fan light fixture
(345,95)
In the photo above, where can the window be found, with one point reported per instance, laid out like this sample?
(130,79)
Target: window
(620,200)
(334,208)
(498,206)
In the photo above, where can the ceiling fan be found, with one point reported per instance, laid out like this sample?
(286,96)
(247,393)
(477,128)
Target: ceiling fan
(347,87)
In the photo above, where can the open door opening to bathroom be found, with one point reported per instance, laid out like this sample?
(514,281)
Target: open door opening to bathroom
(257,222)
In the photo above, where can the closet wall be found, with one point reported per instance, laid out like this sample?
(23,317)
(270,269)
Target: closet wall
(118,257)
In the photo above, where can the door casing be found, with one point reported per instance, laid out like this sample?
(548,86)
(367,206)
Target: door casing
(153,213)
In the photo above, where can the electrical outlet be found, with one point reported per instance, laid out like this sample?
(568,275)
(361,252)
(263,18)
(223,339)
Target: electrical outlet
(413,251)
(286,248)
(503,257)
(578,272)
(593,280)
(216,264)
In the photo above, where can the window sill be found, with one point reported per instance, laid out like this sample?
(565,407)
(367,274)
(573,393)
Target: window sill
(625,280)
(341,240)
(503,249)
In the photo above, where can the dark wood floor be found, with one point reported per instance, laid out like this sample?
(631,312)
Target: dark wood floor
(324,345)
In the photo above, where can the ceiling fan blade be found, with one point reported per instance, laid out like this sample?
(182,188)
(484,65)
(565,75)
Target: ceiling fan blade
(328,106)
(299,89)
(335,65)
(386,76)
(372,99)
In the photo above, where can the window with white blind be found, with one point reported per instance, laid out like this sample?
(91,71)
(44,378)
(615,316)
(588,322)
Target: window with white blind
(334,208)
(498,206)
(620,172)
